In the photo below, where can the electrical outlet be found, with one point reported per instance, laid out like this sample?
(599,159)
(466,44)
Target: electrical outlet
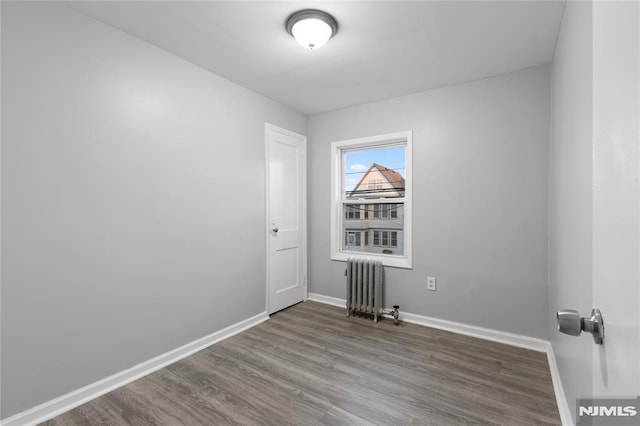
(431,283)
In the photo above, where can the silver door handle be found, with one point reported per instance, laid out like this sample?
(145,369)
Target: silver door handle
(275,229)
(570,322)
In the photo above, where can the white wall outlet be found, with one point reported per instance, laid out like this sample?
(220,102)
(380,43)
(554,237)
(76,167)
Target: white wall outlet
(431,283)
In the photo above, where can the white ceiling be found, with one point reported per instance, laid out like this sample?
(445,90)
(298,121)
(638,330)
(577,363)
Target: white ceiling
(381,50)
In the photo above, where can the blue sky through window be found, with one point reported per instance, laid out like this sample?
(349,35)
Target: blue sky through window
(358,162)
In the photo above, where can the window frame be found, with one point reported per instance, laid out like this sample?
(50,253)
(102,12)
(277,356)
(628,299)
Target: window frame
(338,148)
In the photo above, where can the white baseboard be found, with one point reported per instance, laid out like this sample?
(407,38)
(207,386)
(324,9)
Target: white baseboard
(78,397)
(327,300)
(561,398)
(455,327)
(512,339)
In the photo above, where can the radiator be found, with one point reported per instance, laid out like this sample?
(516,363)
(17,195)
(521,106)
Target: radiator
(364,286)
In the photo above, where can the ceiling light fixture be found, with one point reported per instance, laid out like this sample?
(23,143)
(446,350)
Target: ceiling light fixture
(311,28)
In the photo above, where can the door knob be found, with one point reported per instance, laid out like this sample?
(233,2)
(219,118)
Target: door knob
(570,322)
(275,229)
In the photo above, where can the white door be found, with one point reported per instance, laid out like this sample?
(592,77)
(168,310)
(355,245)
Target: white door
(286,217)
(616,196)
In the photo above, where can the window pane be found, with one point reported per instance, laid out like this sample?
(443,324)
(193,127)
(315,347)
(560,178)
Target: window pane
(374,173)
(394,210)
(381,232)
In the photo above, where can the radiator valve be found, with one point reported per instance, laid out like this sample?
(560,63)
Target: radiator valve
(395,313)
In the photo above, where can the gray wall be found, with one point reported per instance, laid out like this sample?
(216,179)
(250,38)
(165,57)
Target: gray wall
(480,161)
(132,201)
(570,195)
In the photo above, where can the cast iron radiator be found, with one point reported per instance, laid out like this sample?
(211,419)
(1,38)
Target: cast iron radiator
(364,286)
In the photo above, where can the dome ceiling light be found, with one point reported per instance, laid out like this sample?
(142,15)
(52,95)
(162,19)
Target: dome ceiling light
(311,28)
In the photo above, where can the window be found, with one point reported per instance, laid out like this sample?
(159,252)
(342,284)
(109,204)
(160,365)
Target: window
(371,198)
(385,238)
(394,210)
(381,211)
(352,212)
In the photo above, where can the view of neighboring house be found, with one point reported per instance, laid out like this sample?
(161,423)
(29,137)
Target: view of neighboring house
(376,227)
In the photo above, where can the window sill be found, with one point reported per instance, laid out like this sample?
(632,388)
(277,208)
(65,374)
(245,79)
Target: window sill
(390,261)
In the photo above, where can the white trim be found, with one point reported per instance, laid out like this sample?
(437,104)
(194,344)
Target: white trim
(558,389)
(303,220)
(337,148)
(305,201)
(64,403)
(512,339)
(327,300)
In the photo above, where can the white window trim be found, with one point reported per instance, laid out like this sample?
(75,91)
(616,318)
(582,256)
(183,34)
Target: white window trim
(337,215)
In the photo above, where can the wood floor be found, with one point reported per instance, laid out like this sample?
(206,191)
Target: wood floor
(309,365)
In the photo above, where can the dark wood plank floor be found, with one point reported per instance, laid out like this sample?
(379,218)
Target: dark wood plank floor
(309,365)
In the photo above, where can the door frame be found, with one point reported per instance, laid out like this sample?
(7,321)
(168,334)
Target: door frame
(267,225)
